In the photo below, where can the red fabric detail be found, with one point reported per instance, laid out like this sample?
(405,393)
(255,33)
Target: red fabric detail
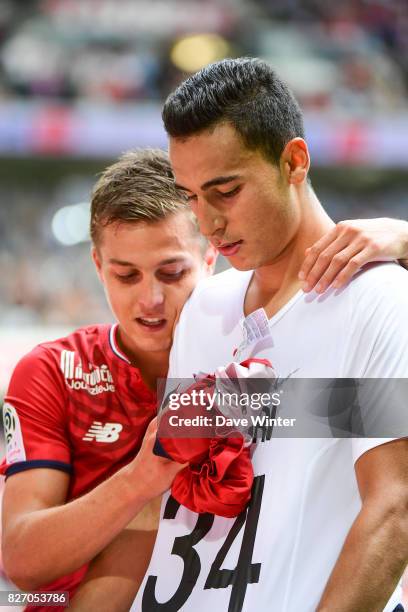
(219,476)
(190,448)
(247,362)
(186,450)
(221,483)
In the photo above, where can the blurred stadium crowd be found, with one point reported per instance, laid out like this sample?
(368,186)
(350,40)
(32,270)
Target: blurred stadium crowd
(81,81)
(347,55)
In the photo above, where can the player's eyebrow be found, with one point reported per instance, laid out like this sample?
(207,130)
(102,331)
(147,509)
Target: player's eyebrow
(164,262)
(218,180)
(120,262)
(171,260)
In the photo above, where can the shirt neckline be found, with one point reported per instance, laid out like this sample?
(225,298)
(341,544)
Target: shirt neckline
(281,312)
(112,341)
(114,345)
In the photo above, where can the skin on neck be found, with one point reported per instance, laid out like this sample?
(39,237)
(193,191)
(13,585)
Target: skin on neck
(314,223)
(151,364)
(274,284)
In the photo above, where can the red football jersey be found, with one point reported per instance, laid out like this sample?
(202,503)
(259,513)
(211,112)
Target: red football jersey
(77,405)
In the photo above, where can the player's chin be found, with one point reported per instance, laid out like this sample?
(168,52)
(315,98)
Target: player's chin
(158,347)
(240,263)
(157,342)
(149,339)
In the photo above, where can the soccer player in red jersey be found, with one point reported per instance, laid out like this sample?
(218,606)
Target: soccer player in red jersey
(77,408)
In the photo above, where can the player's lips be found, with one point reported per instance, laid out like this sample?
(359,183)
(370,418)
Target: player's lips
(151,323)
(229,248)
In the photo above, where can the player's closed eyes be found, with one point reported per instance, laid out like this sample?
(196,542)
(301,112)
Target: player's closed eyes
(127,278)
(167,277)
(171,276)
(223,194)
(230,194)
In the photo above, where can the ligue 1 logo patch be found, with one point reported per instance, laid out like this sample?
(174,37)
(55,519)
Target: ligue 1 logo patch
(9,422)
(14,439)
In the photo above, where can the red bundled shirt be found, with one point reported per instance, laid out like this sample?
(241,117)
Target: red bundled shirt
(219,475)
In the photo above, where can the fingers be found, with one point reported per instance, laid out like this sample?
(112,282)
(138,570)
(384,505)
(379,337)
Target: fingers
(165,472)
(149,439)
(327,261)
(152,428)
(313,252)
(150,434)
(341,268)
(338,255)
(348,246)
(175,468)
(354,264)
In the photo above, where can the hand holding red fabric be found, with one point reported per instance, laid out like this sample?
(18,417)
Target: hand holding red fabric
(219,476)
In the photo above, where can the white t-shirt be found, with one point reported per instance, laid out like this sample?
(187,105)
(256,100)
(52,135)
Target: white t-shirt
(280,555)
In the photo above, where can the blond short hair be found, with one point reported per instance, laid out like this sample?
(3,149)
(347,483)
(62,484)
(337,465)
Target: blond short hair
(139,187)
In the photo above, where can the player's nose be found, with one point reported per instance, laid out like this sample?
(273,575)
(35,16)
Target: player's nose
(210,221)
(151,296)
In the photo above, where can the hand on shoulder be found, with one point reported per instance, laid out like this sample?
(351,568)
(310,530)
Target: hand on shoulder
(351,244)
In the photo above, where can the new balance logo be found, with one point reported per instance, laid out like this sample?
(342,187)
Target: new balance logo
(103,433)
(97,380)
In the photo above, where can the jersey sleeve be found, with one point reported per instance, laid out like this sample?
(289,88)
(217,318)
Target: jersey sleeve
(385,333)
(34,416)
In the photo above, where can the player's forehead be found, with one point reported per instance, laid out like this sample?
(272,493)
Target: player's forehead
(220,152)
(150,244)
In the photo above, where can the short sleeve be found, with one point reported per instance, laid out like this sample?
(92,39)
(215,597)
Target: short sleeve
(385,331)
(34,416)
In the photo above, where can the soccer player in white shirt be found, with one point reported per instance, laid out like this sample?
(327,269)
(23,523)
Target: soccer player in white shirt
(327,528)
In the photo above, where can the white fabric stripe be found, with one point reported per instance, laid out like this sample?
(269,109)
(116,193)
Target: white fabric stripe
(62,364)
(71,364)
(113,344)
(66,364)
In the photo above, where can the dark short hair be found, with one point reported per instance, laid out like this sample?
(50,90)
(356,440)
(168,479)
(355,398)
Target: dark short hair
(139,187)
(244,92)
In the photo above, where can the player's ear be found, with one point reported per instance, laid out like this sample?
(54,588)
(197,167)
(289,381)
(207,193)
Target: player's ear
(210,259)
(97,261)
(295,161)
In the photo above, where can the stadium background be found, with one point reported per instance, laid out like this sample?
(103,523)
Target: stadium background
(83,80)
